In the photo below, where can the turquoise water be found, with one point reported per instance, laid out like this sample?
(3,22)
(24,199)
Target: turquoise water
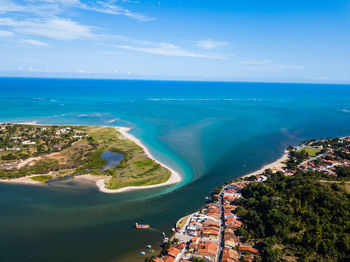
(208,131)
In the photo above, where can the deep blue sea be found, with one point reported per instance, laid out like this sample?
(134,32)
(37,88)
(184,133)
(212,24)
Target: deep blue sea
(208,131)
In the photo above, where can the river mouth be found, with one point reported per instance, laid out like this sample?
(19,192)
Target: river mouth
(112,159)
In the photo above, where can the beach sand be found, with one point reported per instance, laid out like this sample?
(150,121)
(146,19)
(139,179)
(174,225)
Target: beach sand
(274,166)
(174,178)
(22,180)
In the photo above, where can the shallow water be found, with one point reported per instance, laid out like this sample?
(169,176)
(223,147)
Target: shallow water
(112,159)
(209,132)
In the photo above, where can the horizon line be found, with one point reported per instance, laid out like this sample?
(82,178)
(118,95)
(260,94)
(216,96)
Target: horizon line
(176,80)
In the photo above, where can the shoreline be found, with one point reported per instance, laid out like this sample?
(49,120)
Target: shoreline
(274,166)
(25,180)
(174,178)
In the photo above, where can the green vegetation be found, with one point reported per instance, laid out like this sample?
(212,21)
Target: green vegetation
(305,217)
(41,167)
(76,150)
(343,172)
(41,179)
(311,151)
(136,169)
(196,259)
(181,223)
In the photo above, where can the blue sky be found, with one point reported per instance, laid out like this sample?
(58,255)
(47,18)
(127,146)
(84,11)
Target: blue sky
(231,40)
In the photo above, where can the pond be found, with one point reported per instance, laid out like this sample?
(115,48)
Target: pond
(112,158)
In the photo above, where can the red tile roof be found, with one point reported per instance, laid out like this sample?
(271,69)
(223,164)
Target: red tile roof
(169,259)
(249,249)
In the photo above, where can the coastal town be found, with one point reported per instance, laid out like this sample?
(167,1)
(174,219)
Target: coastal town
(213,233)
(33,140)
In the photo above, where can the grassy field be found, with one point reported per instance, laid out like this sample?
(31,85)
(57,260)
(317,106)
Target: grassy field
(136,169)
(311,151)
(41,179)
(84,157)
(181,223)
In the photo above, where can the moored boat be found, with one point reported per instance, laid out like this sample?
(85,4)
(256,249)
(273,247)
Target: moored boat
(165,240)
(141,226)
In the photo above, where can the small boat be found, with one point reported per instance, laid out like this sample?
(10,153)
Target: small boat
(165,240)
(142,253)
(173,229)
(163,234)
(151,251)
(141,226)
(148,246)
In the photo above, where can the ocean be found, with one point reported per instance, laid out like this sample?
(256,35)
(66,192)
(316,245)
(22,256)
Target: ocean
(209,132)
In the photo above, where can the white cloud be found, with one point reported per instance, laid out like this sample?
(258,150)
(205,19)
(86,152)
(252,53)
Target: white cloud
(64,2)
(165,49)
(251,62)
(4,33)
(211,44)
(53,7)
(33,8)
(57,28)
(267,66)
(112,9)
(33,42)
(9,6)
(273,67)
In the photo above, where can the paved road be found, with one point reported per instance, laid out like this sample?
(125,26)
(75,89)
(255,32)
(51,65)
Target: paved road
(182,234)
(222,223)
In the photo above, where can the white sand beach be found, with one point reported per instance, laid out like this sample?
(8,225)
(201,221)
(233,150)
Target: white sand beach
(22,180)
(174,178)
(274,166)
(100,183)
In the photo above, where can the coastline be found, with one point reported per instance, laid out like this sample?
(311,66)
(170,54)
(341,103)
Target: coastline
(274,166)
(26,180)
(174,178)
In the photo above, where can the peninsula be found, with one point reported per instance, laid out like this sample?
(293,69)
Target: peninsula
(112,157)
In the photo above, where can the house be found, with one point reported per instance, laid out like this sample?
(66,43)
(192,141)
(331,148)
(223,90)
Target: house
(191,230)
(211,232)
(207,249)
(229,254)
(192,245)
(169,259)
(157,259)
(249,249)
(230,243)
(228,208)
(227,259)
(234,222)
(173,251)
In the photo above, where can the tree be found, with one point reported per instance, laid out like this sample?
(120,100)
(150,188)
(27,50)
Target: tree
(196,259)
(343,171)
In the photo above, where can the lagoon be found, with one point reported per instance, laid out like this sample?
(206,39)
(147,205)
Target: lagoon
(112,159)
